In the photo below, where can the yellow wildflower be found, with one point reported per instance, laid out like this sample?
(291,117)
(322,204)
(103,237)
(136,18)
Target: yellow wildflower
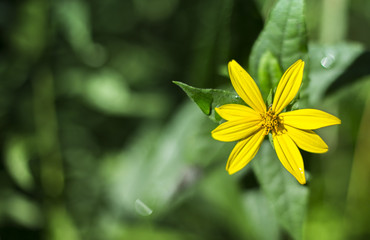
(250,125)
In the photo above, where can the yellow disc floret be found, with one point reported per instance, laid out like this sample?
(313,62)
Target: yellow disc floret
(270,121)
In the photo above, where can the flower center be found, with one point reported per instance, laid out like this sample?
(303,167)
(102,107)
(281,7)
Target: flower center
(270,121)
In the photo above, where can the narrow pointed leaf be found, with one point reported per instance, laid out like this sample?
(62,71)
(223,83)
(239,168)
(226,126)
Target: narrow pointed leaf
(208,99)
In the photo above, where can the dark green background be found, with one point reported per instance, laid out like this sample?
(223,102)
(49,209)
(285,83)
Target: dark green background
(98,143)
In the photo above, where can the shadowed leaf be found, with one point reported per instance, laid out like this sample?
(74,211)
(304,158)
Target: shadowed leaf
(288,197)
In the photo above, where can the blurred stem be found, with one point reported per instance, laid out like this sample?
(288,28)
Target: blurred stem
(333,21)
(59,223)
(51,169)
(358,197)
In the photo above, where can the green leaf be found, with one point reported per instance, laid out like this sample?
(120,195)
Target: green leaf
(330,63)
(248,214)
(288,197)
(225,198)
(262,219)
(163,164)
(269,98)
(17,162)
(271,140)
(141,231)
(269,73)
(61,224)
(20,210)
(284,35)
(208,99)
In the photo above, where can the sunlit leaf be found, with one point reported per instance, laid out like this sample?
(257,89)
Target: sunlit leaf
(284,35)
(17,162)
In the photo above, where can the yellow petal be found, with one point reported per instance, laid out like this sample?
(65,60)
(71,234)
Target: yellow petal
(244,151)
(288,86)
(236,129)
(307,140)
(237,111)
(289,156)
(309,119)
(245,86)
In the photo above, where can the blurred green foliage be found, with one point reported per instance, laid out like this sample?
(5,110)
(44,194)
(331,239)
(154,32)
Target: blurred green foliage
(98,143)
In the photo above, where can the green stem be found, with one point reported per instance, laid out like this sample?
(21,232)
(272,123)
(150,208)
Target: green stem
(333,21)
(358,196)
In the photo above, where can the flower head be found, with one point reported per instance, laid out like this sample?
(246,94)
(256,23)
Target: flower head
(250,125)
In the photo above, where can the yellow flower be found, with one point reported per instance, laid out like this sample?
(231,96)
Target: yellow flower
(251,124)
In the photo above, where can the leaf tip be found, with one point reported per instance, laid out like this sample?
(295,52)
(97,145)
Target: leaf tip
(178,83)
